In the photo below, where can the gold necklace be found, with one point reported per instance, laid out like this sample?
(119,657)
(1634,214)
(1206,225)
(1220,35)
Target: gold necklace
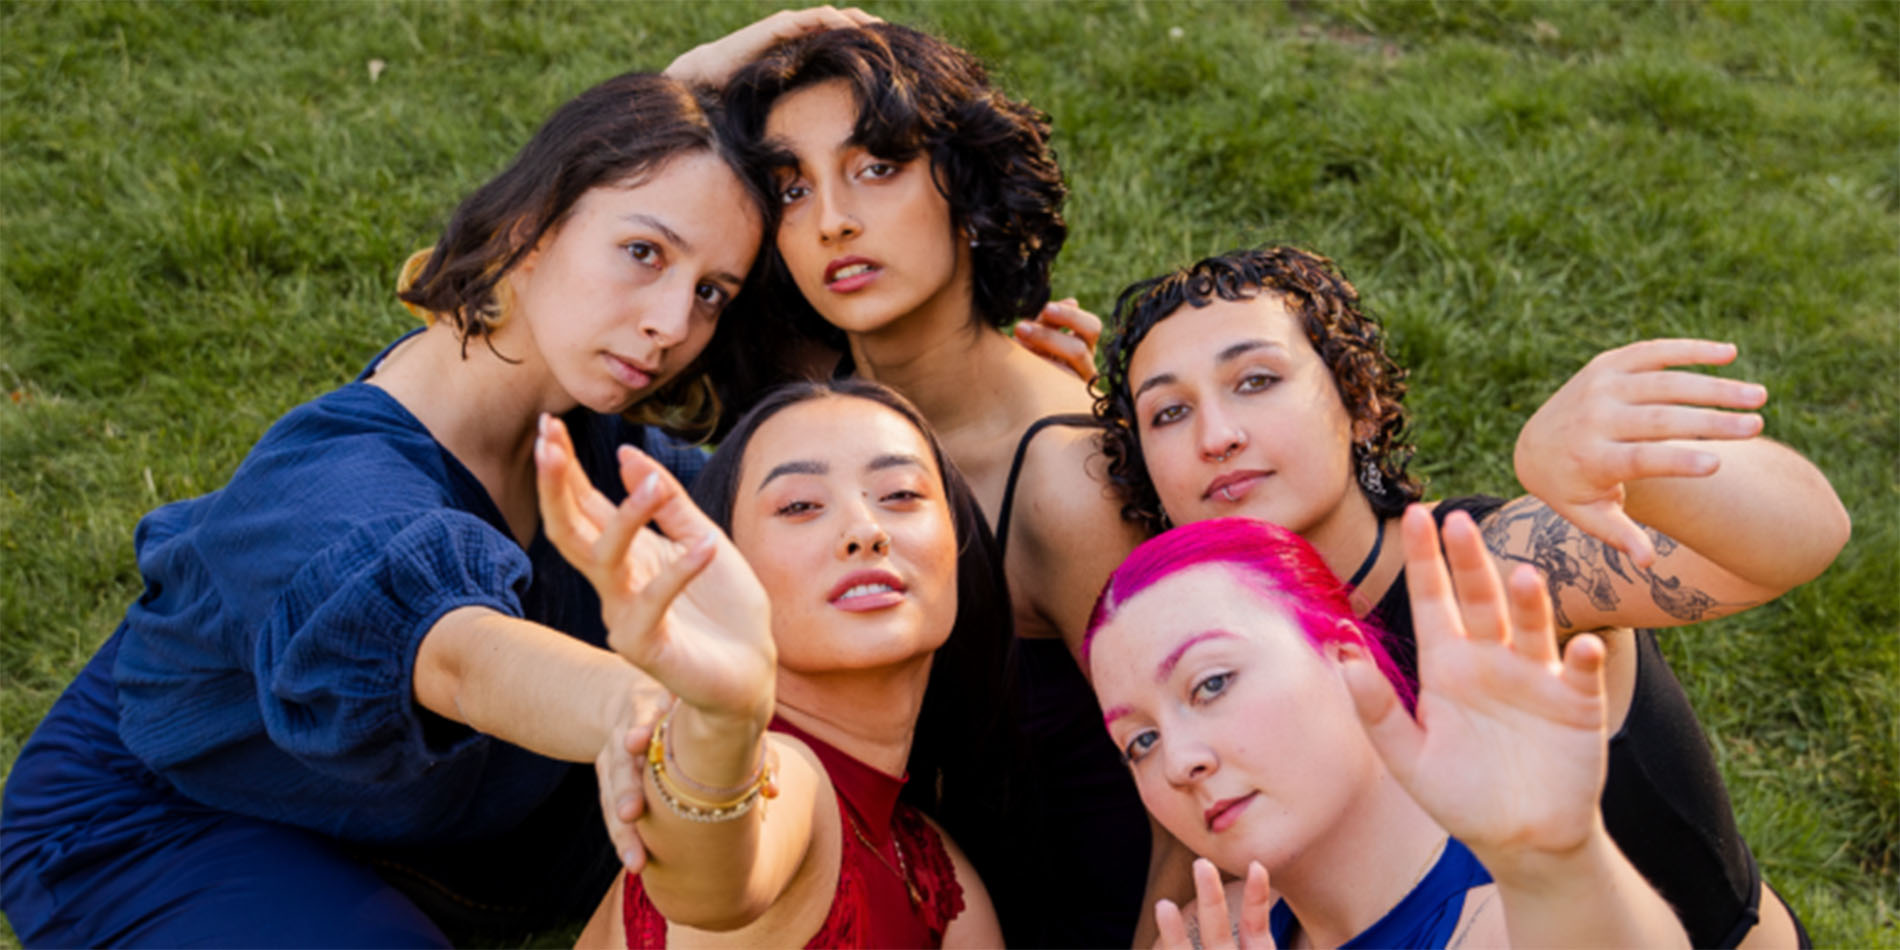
(916,897)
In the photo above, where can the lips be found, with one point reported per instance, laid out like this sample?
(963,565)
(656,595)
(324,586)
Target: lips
(1226,812)
(867,590)
(847,274)
(633,375)
(1233,486)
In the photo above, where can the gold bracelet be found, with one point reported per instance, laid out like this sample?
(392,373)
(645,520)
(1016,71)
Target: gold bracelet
(762,784)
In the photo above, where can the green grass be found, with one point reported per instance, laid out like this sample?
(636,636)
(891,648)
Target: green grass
(202,209)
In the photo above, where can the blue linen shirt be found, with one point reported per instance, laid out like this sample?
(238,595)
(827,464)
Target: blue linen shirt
(267,668)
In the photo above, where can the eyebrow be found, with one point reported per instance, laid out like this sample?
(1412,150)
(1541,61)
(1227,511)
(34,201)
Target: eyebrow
(678,240)
(798,467)
(1114,713)
(893,460)
(1174,657)
(1232,352)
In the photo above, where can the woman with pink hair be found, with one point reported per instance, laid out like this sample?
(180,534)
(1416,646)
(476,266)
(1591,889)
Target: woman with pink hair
(1267,728)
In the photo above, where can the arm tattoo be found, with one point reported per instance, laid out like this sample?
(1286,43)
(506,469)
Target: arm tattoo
(1528,532)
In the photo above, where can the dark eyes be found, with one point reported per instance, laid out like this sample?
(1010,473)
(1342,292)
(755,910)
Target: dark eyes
(879,170)
(644,252)
(792,192)
(902,497)
(1251,383)
(712,295)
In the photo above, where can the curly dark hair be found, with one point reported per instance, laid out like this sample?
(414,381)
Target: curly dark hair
(918,95)
(1348,340)
(622,130)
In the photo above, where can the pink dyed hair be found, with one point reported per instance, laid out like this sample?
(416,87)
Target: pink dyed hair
(1272,562)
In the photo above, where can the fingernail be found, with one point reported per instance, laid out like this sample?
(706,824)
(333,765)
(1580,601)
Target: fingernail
(649,486)
(541,423)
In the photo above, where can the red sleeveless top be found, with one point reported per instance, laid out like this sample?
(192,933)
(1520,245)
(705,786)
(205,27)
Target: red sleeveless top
(875,905)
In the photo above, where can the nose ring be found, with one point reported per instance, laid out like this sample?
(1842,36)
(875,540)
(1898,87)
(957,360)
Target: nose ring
(881,546)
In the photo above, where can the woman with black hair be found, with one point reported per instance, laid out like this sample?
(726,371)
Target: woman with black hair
(800,650)
(919,215)
(1253,384)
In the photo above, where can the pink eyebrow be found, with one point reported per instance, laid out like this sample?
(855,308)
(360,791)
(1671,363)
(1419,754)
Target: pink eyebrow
(1114,714)
(1174,657)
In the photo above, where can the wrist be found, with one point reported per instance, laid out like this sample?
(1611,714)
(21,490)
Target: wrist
(1546,872)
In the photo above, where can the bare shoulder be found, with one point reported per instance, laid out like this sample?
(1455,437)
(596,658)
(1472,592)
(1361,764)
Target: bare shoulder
(1067,534)
(977,925)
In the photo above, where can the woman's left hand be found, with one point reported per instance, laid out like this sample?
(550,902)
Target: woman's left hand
(1627,416)
(1217,930)
(1509,748)
(1073,350)
(712,64)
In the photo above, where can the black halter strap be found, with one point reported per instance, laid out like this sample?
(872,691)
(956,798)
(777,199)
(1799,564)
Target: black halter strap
(1372,557)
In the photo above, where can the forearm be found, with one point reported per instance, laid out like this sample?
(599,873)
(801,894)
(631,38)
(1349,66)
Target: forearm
(720,875)
(1768,516)
(1592,897)
(528,684)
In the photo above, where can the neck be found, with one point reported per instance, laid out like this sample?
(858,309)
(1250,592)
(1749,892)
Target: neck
(870,715)
(480,406)
(1344,541)
(1362,869)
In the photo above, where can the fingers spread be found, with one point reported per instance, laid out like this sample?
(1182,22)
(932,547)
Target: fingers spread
(1256,910)
(1434,611)
(1532,622)
(1172,927)
(1659,354)
(1210,906)
(1393,733)
(1583,664)
(1480,597)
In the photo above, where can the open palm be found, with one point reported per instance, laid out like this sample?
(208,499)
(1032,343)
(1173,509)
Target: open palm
(1508,749)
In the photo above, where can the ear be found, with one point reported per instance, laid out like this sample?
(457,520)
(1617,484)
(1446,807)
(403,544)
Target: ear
(1349,648)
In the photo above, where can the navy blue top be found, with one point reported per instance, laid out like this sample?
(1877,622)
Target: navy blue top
(267,668)
(1426,917)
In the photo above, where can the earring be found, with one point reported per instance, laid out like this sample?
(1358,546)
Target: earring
(1370,478)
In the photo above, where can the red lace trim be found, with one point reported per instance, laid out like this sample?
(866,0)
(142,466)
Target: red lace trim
(848,923)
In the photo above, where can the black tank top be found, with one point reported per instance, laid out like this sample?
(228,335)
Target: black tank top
(1664,803)
(1093,848)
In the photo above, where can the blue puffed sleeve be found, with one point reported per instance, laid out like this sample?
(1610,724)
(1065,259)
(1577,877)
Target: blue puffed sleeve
(336,656)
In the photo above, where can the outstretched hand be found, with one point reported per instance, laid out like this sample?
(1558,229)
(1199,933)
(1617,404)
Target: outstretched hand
(1509,747)
(1627,416)
(1216,926)
(713,63)
(688,611)
(1064,334)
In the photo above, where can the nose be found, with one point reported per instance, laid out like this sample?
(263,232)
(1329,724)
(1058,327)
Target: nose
(837,220)
(666,321)
(1221,437)
(863,536)
(1186,760)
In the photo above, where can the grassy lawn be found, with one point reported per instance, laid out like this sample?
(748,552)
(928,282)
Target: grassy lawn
(202,209)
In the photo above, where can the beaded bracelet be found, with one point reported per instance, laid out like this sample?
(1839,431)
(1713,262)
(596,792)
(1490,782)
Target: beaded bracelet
(762,784)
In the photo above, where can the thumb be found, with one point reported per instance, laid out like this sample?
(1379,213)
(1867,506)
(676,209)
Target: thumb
(1609,523)
(1394,735)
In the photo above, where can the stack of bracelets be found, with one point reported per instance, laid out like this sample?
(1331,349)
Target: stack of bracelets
(693,801)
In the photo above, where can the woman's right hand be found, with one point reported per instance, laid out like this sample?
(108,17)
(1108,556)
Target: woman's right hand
(688,611)
(712,64)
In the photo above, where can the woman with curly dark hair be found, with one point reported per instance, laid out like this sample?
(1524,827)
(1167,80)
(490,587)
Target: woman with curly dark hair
(919,215)
(1254,384)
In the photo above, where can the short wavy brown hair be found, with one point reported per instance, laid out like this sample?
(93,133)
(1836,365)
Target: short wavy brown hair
(621,131)
(1349,341)
(918,95)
